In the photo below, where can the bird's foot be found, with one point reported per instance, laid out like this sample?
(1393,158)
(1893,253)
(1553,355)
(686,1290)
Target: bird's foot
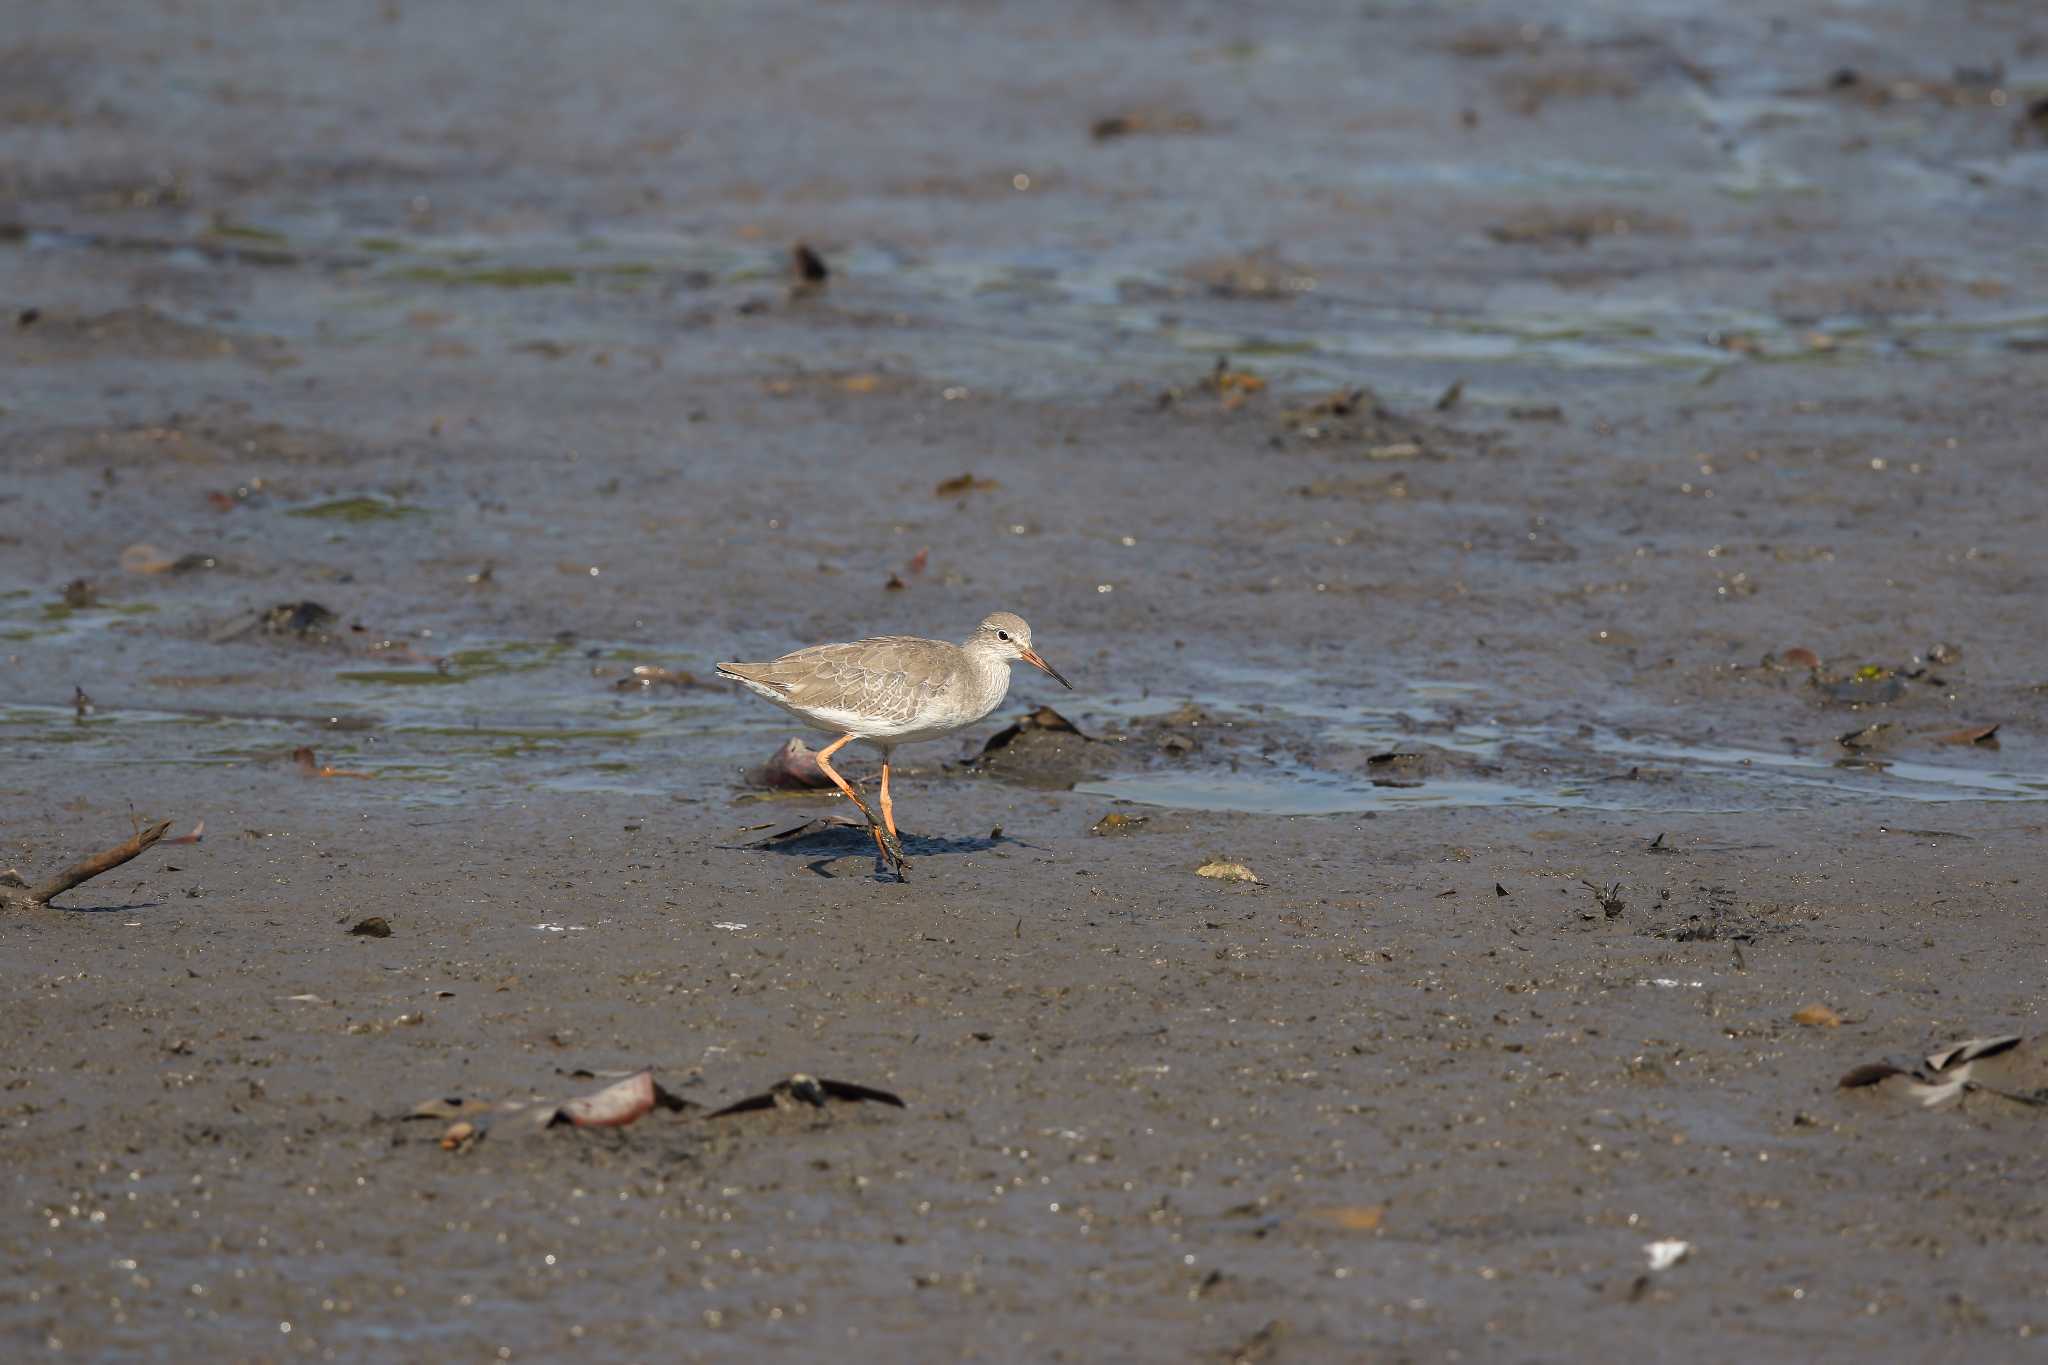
(893,848)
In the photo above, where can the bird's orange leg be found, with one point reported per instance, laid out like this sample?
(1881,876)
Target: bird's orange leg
(887,846)
(888,806)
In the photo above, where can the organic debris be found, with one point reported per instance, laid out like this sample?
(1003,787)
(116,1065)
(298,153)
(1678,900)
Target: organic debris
(1986,735)
(615,1106)
(1044,719)
(1870,685)
(1043,749)
(1397,769)
(1817,1016)
(808,266)
(18,893)
(1666,1254)
(619,1104)
(1355,419)
(1136,121)
(1350,1217)
(960,485)
(647,677)
(793,767)
(1116,822)
(309,763)
(2009,1067)
(1882,735)
(800,1089)
(1608,898)
(1225,870)
(809,829)
(1545,226)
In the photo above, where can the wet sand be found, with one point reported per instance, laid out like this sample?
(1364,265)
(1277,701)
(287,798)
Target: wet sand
(485,340)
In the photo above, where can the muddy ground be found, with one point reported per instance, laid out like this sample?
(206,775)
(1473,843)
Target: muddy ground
(1476,464)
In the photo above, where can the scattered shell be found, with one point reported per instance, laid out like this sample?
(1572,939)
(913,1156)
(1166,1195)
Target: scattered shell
(1664,1255)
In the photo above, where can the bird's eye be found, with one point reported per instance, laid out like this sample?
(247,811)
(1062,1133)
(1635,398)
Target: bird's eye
(1002,635)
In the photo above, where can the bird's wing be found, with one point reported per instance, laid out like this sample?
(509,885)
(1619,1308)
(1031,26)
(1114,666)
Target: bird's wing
(887,676)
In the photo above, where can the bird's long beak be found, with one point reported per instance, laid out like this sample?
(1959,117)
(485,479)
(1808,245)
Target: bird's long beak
(1031,657)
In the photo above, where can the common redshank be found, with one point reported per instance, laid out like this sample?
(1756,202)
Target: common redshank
(891,690)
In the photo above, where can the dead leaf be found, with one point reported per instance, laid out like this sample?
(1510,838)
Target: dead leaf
(1223,870)
(960,485)
(1986,735)
(1817,1016)
(1351,1217)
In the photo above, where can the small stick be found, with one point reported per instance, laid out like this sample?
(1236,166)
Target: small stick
(84,870)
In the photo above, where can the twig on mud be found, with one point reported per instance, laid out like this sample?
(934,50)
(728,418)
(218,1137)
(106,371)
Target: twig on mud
(84,870)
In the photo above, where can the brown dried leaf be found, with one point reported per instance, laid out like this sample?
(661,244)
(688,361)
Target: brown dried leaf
(960,485)
(1351,1217)
(1986,735)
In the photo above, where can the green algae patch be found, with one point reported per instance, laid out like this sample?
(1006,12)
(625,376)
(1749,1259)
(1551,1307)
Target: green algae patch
(400,677)
(355,511)
(243,232)
(496,277)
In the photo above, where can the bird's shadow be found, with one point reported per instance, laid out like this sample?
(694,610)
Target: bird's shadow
(824,841)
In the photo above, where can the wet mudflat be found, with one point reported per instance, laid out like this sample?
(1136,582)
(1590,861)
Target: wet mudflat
(1546,494)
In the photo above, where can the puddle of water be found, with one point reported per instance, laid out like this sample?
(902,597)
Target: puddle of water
(1543,766)
(1301,792)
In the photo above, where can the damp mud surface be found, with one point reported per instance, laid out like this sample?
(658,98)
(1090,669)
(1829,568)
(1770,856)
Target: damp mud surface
(1540,506)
